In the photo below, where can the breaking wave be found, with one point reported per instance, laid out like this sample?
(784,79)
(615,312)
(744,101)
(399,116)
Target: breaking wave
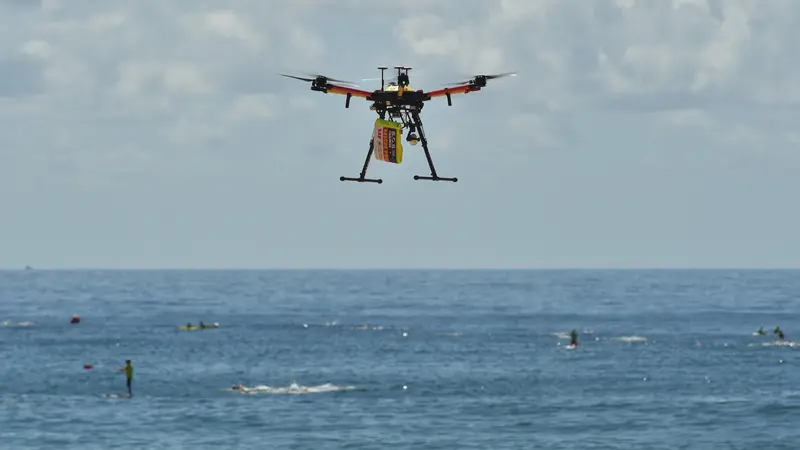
(9,323)
(631,339)
(293,388)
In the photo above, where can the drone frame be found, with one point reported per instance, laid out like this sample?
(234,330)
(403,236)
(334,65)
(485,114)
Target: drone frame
(404,104)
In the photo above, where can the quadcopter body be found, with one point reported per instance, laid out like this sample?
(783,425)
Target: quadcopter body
(398,107)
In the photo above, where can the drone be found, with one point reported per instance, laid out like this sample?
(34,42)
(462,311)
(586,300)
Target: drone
(403,105)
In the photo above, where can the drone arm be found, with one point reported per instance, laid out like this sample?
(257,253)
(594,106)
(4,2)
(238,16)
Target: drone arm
(447,92)
(349,92)
(341,90)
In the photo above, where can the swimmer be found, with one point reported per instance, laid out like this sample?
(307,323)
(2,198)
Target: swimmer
(780,336)
(761,331)
(128,369)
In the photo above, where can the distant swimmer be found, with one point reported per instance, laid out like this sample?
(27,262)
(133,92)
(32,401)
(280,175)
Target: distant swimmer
(761,331)
(128,369)
(573,338)
(75,319)
(779,333)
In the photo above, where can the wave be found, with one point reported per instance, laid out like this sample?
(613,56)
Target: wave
(293,388)
(560,335)
(358,326)
(790,344)
(9,323)
(631,339)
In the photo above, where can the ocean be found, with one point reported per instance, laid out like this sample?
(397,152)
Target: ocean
(400,359)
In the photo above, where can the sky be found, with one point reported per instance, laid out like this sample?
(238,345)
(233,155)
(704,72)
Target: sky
(637,134)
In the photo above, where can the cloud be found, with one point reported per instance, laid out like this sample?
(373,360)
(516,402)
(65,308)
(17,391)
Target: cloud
(143,93)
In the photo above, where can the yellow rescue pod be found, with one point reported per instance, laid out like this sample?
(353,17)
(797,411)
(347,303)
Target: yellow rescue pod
(387,141)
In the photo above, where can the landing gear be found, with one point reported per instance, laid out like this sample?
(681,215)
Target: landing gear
(417,125)
(362,178)
(434,176)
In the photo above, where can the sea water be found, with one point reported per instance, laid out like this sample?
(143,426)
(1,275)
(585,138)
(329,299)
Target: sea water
(400,359)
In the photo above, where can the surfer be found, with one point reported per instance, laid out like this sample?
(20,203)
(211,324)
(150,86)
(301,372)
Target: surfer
(779,333)
(128,369)
(573,338)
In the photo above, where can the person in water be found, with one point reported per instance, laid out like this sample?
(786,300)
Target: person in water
(779,333)
(128,369)
(573,338)
(202,325)
(761,331)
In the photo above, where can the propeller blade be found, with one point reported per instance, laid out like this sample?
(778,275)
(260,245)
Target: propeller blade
(394,78)
(457,83)
(335,80)
(310,80)
(488,77)
(501,75)
(296,78)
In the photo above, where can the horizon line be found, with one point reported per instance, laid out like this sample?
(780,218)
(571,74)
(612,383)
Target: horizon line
(377,269)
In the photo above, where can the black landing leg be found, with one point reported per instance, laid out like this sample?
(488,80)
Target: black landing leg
(362,178)
(424,140)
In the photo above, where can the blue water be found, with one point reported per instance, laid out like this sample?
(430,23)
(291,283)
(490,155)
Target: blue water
(435,359)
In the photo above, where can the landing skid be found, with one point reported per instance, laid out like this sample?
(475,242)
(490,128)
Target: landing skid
(362,178)
(418,177)
(434,176)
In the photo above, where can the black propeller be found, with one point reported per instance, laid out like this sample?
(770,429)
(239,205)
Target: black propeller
(484,78)
(322,78)
(310,80)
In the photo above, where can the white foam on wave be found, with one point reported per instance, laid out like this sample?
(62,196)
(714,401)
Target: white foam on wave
(560,335)
(293,388)
(631,339)
(9,323)
(358,326)
(790,344)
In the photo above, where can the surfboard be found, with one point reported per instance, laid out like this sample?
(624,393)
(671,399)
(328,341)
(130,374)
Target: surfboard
(572,347)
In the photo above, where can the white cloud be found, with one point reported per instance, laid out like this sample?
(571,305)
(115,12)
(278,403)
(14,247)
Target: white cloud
(148,88)
(183,78)
(539,133)
(253,107)
(37,48)
(688,118)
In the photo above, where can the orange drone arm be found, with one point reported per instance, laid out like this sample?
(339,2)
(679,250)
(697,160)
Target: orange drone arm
(454,90)
(333,89)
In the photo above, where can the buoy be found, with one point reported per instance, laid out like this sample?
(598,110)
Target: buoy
(75,319)
(88,366)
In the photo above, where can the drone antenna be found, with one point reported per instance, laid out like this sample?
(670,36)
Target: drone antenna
(382,68)
(402,78)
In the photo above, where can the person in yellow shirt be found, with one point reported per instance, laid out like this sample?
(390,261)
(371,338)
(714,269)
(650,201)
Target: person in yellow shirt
(128,369)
